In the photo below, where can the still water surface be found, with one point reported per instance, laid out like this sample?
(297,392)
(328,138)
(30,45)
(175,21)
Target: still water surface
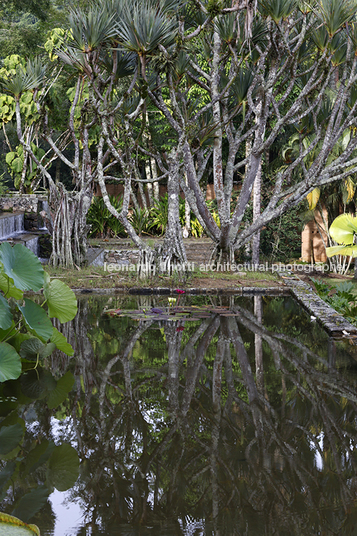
(241,422)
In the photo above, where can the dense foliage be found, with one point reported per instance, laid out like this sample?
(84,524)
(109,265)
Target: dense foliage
(188,94)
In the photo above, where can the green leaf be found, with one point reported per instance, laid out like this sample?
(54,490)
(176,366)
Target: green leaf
(37,319)
(9,157)
(343,228)
(8,288)
(7,473)
(31,503)
(61,301)
(4,333)
(13,418)
(26,98)
(5,314)
(31,348)
(37,383)
(17,165)
(10,362)
(350,251)
(335,13)
(63,467)
(38,456)
(10,437)
(60,393)
(21,265)
(12,526)
(61,342)
(18,339)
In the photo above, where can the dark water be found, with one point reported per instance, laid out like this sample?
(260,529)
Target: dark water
(236,424)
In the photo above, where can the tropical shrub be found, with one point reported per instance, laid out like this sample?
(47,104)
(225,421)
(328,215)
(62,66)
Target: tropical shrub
(16,163)
(158,217)
(102,222)
(27,334)
(343,230)
(140,220)
(27,337)
(341,297)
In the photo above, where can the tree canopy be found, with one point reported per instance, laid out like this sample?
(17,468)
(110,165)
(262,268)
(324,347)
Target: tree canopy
(228,82)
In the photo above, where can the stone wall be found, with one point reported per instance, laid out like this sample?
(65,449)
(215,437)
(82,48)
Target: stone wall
(122,256)
(22,203)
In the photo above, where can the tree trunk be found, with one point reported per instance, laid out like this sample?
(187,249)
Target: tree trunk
(258,345)
(256,214)
(172,250)
(68,212)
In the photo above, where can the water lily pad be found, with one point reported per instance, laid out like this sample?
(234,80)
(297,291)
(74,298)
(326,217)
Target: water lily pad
(174,313)
(12,526)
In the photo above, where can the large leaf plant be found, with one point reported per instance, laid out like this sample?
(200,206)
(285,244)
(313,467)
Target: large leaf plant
(27,334)
(343,230)
(27,337)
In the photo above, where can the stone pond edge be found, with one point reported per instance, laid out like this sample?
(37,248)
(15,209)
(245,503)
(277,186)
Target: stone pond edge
(148,291)
(332,321)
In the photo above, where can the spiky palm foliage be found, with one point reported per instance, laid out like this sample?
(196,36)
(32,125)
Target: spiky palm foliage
(91,29)
(335,14)
(145,27)
(277,9)
(30,77)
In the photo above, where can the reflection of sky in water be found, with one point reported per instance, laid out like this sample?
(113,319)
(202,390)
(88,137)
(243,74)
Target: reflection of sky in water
(63,428)
(73,510)
(68,517)
(318,458)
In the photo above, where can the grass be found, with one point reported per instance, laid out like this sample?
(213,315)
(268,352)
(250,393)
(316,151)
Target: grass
(233,276)
(96,277)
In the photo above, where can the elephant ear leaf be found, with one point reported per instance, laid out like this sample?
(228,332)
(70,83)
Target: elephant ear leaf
(10,362)
(343,228)
(22,266)
(37,319)
(61,301)
(5,314)
(61,342)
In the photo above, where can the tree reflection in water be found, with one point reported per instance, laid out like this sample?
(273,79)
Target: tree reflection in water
(240,442)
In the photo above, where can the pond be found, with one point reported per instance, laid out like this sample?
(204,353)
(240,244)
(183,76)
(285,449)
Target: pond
(233,416)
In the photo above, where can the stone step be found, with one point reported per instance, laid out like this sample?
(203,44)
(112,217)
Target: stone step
(95,256)
(29,240)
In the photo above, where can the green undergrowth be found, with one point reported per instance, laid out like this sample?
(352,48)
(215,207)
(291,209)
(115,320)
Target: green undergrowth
(342,297)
